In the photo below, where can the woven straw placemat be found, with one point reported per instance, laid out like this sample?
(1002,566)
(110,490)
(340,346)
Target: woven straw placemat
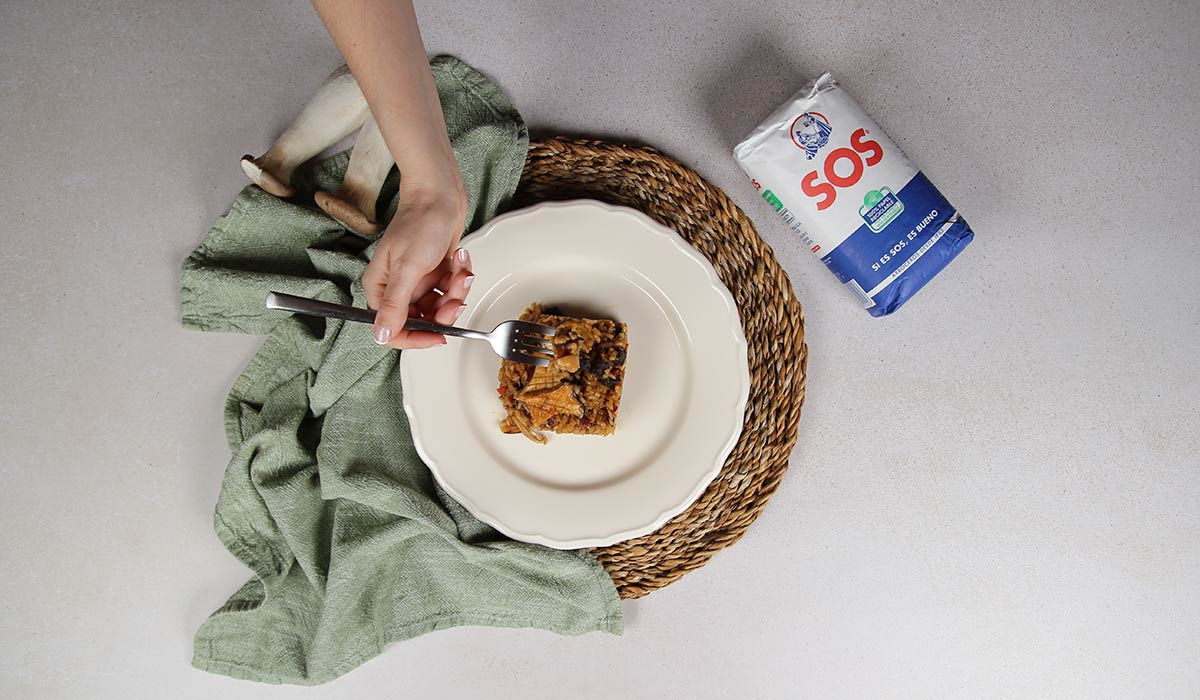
(677,197)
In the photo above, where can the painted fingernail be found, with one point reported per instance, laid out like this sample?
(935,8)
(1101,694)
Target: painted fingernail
(468,281)
(463,256)
(460,311)
(382,334)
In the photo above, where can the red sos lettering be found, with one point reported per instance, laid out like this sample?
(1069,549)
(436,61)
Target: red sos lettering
(826,192)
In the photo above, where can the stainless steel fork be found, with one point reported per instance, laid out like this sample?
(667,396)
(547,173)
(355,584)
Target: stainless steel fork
(519,341)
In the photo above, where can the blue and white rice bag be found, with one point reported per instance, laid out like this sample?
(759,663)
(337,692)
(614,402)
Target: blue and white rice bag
(876,221)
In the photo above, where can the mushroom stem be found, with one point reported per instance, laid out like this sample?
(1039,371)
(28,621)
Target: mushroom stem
(355,202)
(333,113)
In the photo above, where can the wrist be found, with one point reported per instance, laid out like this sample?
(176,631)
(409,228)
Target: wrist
(445,197)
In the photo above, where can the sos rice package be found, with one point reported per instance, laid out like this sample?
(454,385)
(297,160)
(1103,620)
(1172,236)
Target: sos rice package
(832,174)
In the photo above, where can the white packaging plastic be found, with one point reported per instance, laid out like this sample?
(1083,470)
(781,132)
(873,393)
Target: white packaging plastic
(836,178)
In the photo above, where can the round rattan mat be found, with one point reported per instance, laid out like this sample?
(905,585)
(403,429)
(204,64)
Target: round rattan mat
(677,197)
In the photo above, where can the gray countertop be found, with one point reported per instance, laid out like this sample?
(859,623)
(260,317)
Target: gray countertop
(996,492)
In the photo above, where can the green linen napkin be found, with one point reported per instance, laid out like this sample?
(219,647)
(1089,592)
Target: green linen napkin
(352,543)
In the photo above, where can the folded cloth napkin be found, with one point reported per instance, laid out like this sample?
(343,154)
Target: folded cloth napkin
(352,543)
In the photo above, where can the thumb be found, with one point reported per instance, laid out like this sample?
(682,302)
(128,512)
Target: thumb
(393,308)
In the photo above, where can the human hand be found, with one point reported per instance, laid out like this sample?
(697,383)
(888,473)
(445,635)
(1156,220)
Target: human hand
(417,255)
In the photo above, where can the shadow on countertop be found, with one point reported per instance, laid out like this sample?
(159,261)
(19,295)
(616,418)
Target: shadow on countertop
(752,84)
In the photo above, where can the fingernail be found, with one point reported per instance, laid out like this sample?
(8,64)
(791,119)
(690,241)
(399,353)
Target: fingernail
(443,341)
(468,281)
(382,334)
(463,256)
(459,312)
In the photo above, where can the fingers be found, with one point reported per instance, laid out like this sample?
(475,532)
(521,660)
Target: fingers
(449,306)
(461,260)
(459,284)
(458,275)
(432,280)
(398,293)
(448,310)
(443,309)
(432,308)
(416,340)
(393,308)
(374,281)
(453,287)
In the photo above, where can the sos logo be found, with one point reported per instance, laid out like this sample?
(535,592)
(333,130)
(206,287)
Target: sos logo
(862,154)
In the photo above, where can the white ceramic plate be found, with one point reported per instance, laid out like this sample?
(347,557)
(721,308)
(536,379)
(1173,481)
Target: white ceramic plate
(686,379)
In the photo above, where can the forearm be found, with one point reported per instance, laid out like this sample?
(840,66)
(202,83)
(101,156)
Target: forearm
(381,43)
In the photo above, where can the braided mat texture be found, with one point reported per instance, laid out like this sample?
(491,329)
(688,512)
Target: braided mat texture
(677,197)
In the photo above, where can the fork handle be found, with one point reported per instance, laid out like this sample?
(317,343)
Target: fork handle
(416,324)
(313,307)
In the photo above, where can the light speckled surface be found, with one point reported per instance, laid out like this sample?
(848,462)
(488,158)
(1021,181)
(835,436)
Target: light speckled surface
(996,492)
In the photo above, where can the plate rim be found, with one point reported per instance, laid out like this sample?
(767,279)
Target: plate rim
(722,457)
